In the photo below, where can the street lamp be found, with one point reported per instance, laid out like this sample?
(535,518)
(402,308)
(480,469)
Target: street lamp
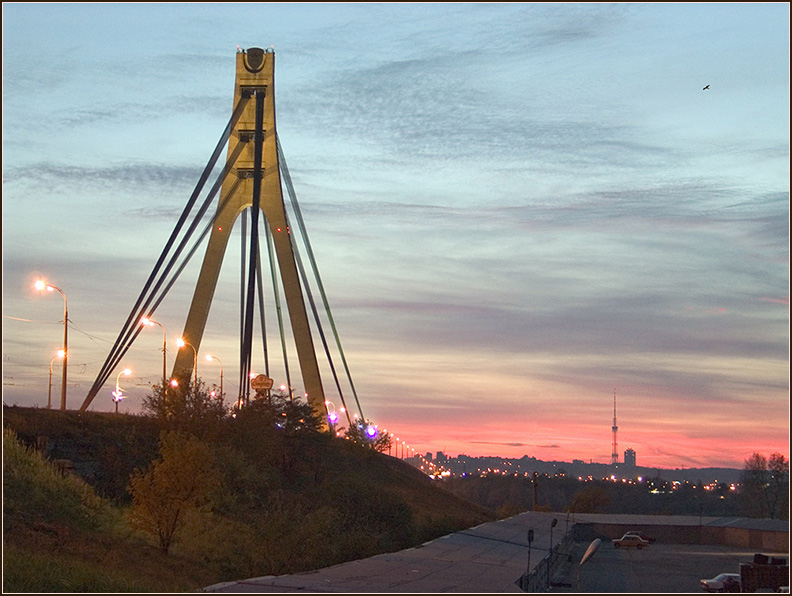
(40,285)
(59,354)
(181,343)
(146,322)
(117,394)
(332,417)
(209,357)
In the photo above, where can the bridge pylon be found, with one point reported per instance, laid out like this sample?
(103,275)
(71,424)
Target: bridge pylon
(254,178)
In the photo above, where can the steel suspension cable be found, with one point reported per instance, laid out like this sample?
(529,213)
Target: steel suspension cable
(245,357)
(303,232)
(278,309)
(319,327)
(153,301)
(123,342)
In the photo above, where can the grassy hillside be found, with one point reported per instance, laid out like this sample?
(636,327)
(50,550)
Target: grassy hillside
(286,503)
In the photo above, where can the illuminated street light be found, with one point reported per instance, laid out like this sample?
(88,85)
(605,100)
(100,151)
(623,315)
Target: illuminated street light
(332,416)
(41,285)
(181,343)
(59,354)
(209,357)
(117,394)
(146,322)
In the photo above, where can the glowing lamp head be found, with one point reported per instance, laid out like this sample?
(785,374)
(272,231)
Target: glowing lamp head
(371,432)
(61,353)
(39,285)
(127,372)
(333,417)
(180,342)
(146,321)
(283,387)
(174,383)
(209,357)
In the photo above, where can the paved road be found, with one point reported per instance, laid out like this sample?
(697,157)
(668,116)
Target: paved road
(669,568)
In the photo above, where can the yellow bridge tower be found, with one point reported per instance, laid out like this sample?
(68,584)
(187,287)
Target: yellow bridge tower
(254,177)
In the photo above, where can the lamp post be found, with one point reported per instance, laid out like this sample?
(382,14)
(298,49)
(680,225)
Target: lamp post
(117,394)
(550,558)
(528,569)
(59,354)
(40,285)
(332,417)
(181,343)
(145,321)
(209,357)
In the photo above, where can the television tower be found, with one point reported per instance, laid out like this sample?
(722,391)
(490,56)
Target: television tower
(615,453)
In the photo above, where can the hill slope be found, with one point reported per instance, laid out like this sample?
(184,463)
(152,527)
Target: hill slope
(288,503)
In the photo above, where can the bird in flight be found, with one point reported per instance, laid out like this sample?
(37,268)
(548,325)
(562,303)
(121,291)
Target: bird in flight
(705,88)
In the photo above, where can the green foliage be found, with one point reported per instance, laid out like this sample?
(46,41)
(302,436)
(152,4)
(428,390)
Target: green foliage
(35,491)
(182,480)
(653,496)
(36,572)
(106,450)
(592,498)
(367,434)
(287,500)
(186,405)
(279,410)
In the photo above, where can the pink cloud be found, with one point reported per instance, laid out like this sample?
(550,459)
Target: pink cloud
(784,301)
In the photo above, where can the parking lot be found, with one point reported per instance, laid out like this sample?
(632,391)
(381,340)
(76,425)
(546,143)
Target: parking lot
(675,568)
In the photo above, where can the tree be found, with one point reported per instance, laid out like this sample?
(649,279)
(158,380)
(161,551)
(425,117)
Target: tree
(182,480)
(753,480)
(184,404)
(367,434)
(778,486)
(765,486)
(279,410)
(591,499)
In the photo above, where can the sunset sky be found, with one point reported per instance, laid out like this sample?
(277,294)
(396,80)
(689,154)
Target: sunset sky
(516,210)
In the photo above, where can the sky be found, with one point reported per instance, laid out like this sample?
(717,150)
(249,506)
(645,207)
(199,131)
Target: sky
(518,211)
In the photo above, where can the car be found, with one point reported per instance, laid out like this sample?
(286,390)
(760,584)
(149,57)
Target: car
(649,539)
(723,582)
(630,540)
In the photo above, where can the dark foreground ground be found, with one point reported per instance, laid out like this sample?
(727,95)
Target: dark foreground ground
(674,568)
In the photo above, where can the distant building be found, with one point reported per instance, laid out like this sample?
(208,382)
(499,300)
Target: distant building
(629,457)
(441,457)
(428,456)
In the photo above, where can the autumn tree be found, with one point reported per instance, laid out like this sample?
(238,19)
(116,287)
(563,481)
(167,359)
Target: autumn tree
(183,479)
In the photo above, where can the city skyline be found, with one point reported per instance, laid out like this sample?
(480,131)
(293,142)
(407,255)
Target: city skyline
(516,209)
